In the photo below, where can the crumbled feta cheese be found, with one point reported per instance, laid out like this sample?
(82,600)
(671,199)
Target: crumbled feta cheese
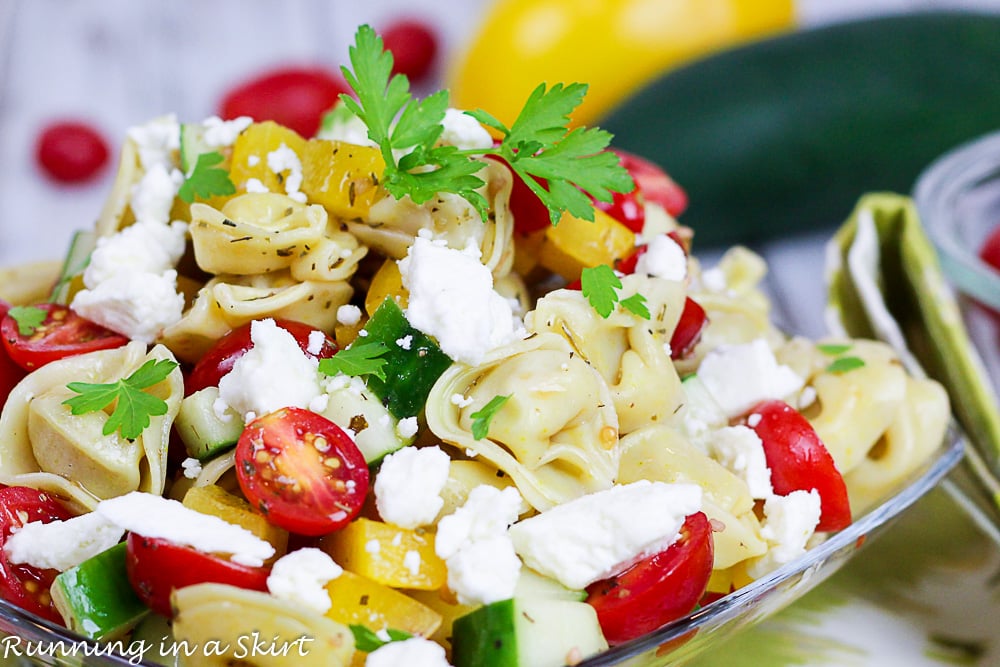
(152,197)
(407,427)
(273,374)
(741,451)
(789,522)
(740,376)
(806,398)
(157,141)
(373,546)
(714,280)
(348,315)
(136,305)
(664,258)
(408,486)
(154,516)
(405,342)
(221,133)
(191,467)
(253,161)
(255,184)
(463,131)
(140,248)
(598,535)
(412,652)
(300,577)
(316,341)
(60,545)
(461,401)
(411,561)
(487,511)
(452,299)
(284,159)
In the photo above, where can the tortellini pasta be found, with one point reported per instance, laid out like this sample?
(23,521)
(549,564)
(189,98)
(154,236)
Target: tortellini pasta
(556,435)
(47,447)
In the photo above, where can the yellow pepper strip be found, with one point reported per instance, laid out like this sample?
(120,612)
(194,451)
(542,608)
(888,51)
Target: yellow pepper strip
(386,554)
(614,45)
(250,151)
(387,281)
(357,600)
(343,177)
(216,501)
(575,244)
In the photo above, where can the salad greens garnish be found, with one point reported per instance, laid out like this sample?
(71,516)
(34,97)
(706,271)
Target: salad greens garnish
(358,359)
(133,406)
(845,364)
(28,318)
(206,179)
(366,640)
(600,286)
(834,349)
(539,144)
(481,418)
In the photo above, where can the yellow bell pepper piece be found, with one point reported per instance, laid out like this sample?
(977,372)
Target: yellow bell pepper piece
(614,45)
(387,281)
(575,244)
(250,151)
(357,600)
(216,501)
(386,554)
(444,603)
(342,177)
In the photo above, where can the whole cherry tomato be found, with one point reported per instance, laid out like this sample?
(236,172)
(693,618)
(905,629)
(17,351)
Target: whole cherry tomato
(800,461)
(62,333)
(24,585)
(223,354)
(71,151)
(658,589)
(302,471)
(156,567)
(10,373)
(296,97)
(414,46)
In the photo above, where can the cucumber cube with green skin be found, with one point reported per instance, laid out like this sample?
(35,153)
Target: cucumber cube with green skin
(205,435)
(96,599)
(410,372)
(527,632)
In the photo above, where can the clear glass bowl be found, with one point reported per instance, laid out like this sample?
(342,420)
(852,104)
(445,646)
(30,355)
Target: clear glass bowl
(958,198)
(669,645)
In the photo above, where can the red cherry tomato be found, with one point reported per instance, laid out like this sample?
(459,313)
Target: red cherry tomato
(61,334)
(24,585)
(990,251)
(156,567)
(414,46)
(800,461)
(10,373)
(659,589)
(654,183)
(687,333)
(71,151)
(302,471)
(296,97)
(223,354)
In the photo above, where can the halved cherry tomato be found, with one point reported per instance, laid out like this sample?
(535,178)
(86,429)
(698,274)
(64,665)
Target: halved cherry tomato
(302,471)
(628,208)
(156,567)
(990,251)
(687,333)
(10,373)
(413,45)
(800,461)
(659,589)
(296,97)
(63,333)
(223,354)
(654,183)
(71,151)
(24,585)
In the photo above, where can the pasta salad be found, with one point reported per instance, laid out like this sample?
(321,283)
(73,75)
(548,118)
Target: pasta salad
(424,388)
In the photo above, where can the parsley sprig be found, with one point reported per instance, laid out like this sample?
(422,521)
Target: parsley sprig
(481,418)
(600,286)
(539,145)
(356,360)
(206,179)
(133,406)
(365,639)
(28,318)
(842,364)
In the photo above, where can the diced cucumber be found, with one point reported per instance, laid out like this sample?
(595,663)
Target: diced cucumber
(527,632)
(357,408)
(192,145)
(410,370)
(205,435)
(533,585)
(153,632)
(95,597)
(77,258)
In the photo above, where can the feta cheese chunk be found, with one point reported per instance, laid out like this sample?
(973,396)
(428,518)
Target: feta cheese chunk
(301,576)
(452,299)
(463,131)
(221,133)
(601,534)
(136,305)
(408,486)
(273,374)
(153,196)
(741,451)
(283,159)
(154,516)
(60,545)
(157,141)
(663,258)
(145,247)
(741,376)
(412,652)
(789,522)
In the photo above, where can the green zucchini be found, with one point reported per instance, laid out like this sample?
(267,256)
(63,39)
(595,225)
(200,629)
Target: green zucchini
(785,134)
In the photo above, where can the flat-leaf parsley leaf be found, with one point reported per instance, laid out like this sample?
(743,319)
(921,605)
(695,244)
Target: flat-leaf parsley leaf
(365,639)
(481,418)
(206,180)
(600,285)
(28,318)
(133,406)
(358,359)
